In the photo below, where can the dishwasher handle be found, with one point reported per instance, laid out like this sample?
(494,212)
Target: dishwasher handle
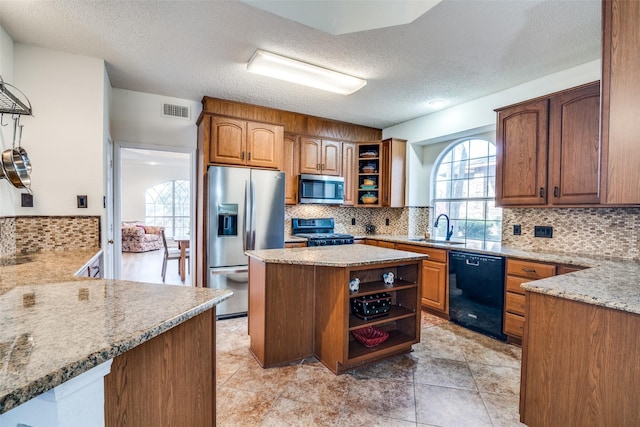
(472,263)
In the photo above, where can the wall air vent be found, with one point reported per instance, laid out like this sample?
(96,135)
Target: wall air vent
(173,110)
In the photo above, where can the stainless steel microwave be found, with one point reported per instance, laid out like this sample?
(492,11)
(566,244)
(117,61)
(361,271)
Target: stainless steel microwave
(321,189)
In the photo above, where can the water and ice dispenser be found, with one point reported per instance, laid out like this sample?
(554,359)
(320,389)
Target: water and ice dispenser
(227,219)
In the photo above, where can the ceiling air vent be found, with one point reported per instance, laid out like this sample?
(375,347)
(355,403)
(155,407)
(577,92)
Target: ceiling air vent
(173,110)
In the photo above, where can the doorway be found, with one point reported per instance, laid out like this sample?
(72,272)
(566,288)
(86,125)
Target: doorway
(154,189)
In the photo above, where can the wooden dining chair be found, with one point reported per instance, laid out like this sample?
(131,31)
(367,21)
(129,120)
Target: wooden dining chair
(170,253)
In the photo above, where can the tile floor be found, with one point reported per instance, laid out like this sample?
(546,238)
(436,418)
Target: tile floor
(454,377)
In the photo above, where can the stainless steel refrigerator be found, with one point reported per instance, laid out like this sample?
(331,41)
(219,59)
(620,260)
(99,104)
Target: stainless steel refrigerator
(246,211)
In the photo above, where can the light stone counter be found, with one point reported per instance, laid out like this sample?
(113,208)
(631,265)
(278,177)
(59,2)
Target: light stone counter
(334,256)
(56,326)
(609,282)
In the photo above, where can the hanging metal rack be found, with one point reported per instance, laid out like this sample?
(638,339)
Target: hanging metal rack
(11,104)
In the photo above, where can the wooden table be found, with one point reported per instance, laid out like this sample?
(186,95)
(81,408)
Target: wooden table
(183,244)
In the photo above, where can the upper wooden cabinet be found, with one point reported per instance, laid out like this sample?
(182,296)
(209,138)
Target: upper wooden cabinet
(620,105)
(349,172)
(245,143)
(574,146)
(291,165)
(394,153)
(320,156)
(548,150)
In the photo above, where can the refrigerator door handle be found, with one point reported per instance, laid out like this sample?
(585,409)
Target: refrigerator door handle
(246,244)
(252,228)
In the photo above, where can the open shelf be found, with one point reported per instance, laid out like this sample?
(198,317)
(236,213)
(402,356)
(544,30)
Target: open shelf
(396,338)
(377,287)
(395,313)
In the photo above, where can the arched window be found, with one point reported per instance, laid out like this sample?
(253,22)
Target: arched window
(168,205)
(464,189)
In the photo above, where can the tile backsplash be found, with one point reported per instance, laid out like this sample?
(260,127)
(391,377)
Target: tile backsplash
(613,232)
(407,220)
(24,234)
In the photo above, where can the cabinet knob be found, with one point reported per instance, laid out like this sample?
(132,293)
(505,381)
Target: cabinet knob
(242,156)
(110,241)
(318,167)
(323,166)
(556,191)
(541,191)
(249,156)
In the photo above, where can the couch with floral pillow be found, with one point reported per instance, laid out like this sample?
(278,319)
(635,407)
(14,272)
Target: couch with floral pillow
(140,238)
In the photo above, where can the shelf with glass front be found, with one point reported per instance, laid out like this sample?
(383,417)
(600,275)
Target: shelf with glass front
(369,174)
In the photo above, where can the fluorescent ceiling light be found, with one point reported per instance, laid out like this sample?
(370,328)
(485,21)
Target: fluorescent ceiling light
(437,103)
(291,70)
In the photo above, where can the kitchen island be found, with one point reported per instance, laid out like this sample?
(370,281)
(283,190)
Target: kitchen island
(299,303)
(153,344)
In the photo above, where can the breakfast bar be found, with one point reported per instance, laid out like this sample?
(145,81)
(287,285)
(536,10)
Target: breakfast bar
(300,304)
(79,351)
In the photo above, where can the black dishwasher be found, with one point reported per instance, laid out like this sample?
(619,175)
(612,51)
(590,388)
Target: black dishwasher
(476,292)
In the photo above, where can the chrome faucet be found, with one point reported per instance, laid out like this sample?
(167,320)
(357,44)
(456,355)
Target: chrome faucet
(449,230)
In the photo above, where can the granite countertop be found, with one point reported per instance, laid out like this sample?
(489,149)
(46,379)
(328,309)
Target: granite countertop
(608,282)
(335,256)
(56,326)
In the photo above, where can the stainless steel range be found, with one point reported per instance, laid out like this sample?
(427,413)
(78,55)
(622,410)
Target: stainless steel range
(319,232)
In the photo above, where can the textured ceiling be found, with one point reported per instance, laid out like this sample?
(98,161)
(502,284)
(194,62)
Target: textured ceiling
(457,51)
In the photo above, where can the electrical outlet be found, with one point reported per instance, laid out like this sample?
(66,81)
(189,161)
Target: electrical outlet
(543,231)
(353,221)
(517,229)
(386,221)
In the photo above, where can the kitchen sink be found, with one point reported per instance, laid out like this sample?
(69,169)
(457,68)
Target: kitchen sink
(436,241)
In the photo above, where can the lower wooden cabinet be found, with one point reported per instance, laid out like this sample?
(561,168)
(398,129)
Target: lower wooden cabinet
(295,245)
(435,277)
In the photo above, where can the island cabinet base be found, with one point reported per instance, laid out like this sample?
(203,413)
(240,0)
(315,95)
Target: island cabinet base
(580,364)
(297,311)
(166,381)
(280,312)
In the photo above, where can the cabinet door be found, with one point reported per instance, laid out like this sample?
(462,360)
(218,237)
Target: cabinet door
(310,155)
(574,146)
(521,154)
(349,172)
(291,159)
(392,170)
(331,158)
(228,141)
(620,107)
(264,145)
(434,285)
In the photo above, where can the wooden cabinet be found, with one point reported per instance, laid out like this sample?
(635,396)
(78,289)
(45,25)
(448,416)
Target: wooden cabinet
(320,156)
(291,165)
(547,150)
(519,272)
(620,106)
(169,380)
(394,153)
(348,172)
(336,347)
(577,356)
(574,146)
(295,245)
(435,278)
(381,173)
(521,154)
(245,143)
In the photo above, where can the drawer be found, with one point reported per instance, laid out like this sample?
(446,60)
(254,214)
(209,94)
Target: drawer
(532,270)
(438,255)
(514,303)
(513,283)
(389,245)
(513,325)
